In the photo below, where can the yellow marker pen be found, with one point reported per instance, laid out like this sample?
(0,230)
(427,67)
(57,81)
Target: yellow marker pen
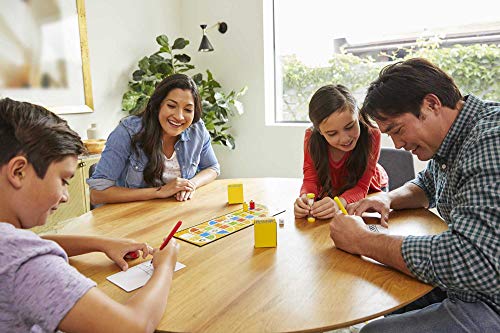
(341,206)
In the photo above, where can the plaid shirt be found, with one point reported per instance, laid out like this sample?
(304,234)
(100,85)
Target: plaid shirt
(463,182)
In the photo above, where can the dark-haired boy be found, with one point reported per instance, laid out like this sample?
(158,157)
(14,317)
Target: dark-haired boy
(40,292)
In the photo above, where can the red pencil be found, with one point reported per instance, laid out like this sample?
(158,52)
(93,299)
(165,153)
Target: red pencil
(170,235)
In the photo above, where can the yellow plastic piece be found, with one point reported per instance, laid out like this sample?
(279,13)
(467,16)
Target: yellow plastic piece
(245,207)
(311,219)
(235,193)
(265,232)
(341,206)
(310,195)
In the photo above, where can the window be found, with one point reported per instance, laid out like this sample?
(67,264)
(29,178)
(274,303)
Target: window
(319,42)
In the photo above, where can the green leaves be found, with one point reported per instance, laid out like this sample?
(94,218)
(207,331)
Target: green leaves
(217,106)
(475,69)
(180,43)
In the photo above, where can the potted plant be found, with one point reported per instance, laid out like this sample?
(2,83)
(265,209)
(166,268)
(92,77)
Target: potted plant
(217,106)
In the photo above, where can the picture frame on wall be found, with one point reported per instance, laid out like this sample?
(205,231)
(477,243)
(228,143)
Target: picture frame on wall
(44,54)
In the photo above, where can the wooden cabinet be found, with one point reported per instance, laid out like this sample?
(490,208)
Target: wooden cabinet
(79,199)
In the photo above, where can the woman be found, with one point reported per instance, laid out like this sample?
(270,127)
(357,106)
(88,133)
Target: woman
(164,151)
(341,151)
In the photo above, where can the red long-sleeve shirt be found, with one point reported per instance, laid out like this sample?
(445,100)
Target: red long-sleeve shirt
(373,180)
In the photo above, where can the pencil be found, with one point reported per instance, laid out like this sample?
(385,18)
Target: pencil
(341,206)
(170,235)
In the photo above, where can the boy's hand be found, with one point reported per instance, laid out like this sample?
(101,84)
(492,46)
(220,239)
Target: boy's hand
(116,249)
(166,257)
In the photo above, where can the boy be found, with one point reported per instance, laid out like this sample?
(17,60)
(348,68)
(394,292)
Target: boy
(40,291)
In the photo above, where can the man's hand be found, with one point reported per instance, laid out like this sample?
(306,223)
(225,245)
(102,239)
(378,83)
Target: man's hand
(347,232)
(380,203)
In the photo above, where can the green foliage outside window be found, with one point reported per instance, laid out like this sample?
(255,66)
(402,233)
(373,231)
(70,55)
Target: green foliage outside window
(475,68)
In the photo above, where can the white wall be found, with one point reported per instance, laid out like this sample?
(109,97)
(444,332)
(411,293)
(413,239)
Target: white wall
(238,61)
(243,57)
(120,33)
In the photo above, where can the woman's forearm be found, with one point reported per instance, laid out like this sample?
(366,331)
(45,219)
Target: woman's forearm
(116,194)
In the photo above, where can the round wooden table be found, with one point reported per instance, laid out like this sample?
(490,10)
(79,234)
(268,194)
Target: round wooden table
(304,284)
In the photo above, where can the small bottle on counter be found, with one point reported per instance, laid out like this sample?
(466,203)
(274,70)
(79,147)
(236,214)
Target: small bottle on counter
(92,132)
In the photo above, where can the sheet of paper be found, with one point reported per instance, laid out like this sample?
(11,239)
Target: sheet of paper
(378,228)
(137,276)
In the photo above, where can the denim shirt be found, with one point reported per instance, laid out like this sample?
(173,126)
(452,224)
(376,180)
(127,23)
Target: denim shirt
(121,166)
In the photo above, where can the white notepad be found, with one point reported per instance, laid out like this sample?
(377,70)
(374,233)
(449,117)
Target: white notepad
(137,276)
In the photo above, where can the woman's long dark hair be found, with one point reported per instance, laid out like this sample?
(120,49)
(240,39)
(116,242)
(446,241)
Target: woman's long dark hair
(325,101)
(149,139)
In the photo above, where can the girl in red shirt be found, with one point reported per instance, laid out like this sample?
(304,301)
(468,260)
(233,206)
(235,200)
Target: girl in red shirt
(341,151)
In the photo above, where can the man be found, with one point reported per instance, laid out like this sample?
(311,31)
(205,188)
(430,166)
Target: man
(422,110)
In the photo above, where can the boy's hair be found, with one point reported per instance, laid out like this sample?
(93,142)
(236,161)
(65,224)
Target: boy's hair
(401,88)
(36,133)
(326,101)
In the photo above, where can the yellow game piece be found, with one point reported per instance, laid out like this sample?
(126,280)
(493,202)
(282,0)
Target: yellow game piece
(311,219)
(245,207)
(235,194)
(265,233)
(341,206)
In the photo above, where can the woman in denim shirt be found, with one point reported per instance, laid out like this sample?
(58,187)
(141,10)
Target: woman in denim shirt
(164,151)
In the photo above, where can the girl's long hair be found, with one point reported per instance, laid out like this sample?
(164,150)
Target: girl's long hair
(149,138)
(325,101)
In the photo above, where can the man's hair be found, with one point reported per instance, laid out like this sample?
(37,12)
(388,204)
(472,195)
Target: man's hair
(401,88)
(36,133)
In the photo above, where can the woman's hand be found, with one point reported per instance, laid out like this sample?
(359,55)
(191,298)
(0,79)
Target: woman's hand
(174,186)
(117,249)
(301,207)
(184,195)
(324,208)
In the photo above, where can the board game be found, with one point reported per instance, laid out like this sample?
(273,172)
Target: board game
(219,227)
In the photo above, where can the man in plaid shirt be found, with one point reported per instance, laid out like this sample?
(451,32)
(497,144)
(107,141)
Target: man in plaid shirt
(421,109)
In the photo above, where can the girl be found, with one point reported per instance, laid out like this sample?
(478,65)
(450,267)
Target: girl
(341,151)
(164,151)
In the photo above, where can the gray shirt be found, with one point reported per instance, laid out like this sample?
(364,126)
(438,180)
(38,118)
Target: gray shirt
(38,286)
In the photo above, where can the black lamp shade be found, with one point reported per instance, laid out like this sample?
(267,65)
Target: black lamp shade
(205,45)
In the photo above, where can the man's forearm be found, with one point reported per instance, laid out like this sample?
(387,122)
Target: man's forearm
(408,196)
(385,249)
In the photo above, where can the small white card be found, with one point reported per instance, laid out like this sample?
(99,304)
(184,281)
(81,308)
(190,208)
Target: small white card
(137,276)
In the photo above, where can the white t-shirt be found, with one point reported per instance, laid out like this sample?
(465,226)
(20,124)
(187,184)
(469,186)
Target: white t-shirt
(171,168)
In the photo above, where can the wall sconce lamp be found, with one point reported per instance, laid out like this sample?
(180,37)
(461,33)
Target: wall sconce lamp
(205,45)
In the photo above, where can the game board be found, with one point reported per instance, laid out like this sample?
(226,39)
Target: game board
(219,227)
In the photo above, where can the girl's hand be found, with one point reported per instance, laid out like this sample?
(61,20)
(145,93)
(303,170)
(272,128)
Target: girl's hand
(184,195)
(166,257)
(324,208)
(174,186)
(116,249)
(301,207)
